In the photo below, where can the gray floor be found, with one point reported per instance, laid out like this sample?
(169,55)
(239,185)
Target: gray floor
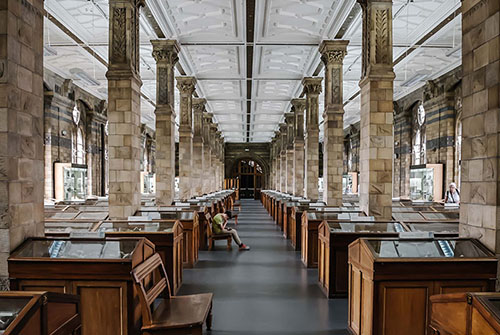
(265,290)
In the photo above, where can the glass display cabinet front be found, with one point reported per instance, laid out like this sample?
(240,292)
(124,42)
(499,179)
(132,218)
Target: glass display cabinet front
(146,227)
(75,183)
(422,184)
(435,227)
(148,183)
(347,185)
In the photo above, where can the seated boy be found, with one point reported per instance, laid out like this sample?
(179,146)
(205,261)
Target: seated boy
(219,227)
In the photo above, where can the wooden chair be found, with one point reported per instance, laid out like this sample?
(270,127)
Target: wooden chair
(214,237)
(171,314)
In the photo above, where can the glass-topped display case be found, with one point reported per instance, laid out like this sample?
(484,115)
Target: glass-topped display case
(438,228)
(334,239)
(70,182)
(395,278)
(98,270)
(28,313)
(426,182)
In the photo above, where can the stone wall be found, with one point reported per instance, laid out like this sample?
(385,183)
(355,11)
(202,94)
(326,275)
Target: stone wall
(60,98)
(259,152)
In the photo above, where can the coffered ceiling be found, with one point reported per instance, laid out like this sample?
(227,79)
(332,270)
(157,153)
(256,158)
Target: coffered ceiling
(249,57)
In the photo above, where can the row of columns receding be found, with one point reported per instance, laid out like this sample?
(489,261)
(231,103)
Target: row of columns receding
(295,147)
(201,146)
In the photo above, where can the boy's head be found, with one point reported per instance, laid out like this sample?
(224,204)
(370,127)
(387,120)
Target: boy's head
(229,214)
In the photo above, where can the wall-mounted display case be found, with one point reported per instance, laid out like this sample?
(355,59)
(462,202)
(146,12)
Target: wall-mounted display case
(148,182)
(97,270)
(350,183)
(391,280)
(426,182)
(39,313)
(70,182)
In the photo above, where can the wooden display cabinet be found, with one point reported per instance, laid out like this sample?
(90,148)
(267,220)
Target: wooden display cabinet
(296,226)
(334,240)
(97,270)
(309,236)
(191,231)
(465,314)
(39,313)
(391,280)
(441,229)
(166,235)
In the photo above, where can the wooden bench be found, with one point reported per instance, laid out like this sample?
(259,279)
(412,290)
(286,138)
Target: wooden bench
(215,237)
(172,314)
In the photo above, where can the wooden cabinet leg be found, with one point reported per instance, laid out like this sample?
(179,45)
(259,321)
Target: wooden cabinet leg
(209,319)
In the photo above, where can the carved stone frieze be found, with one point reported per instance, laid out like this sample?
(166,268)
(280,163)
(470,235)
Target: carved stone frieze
(382,40)
(119,40)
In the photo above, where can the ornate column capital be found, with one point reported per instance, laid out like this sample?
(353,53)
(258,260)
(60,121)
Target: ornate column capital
(377,42)
(290,133)
(299,105)
(312,85)
(186,85)
(165,52)
(333,51)
(198,109)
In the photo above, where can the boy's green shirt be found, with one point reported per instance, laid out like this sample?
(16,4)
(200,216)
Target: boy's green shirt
(217,223)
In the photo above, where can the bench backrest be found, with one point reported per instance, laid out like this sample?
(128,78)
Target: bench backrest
(150,285)
(208,217)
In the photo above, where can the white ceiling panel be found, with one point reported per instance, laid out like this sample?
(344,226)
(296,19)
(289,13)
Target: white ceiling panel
(287,34)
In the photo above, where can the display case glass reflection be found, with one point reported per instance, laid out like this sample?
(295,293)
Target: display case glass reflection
(10,307)
(353,227)
(77,249)
(441,248)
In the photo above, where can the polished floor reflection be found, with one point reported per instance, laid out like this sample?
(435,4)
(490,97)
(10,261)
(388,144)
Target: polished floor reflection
(265,290)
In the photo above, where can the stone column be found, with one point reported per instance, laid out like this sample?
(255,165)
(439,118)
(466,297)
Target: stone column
(124,108)
(165,52)
(376,84)
(298,107)
(218,167)
(480,193)
(197,159)
(271,156)
(207,153)
(21,126)
(289,119)
(277,158)
(213,169)
(283,145)
(312,87)
(186,86)
(332,55)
